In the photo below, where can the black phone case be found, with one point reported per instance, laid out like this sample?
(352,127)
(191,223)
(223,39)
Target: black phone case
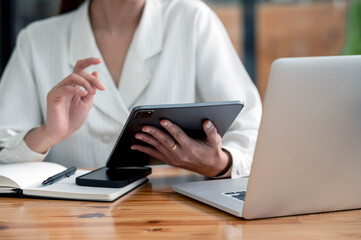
(111,179)
(189,117)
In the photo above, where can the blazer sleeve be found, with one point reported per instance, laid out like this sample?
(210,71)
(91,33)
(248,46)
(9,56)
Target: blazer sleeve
(221,76)
(19,105)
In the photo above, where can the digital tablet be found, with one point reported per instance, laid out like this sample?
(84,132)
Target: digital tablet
(189,117)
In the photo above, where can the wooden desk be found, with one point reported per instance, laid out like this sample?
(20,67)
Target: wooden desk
(153,211)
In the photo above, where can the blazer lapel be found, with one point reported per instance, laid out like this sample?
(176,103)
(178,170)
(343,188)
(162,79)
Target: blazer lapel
(147,42)
(83,45)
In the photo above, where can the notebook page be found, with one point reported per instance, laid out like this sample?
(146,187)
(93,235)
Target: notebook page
(27,174)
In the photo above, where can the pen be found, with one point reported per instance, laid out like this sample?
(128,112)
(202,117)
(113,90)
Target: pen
(66,173)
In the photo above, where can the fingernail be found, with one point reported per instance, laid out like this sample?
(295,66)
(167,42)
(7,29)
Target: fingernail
(164,123)
(145,129)
(209,125)
(138,136)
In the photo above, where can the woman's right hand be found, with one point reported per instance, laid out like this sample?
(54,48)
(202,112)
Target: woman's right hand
(68,105)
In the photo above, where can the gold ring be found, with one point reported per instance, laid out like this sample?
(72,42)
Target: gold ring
(173,148)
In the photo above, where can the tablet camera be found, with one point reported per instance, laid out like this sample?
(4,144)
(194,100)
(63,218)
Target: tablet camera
(144,114)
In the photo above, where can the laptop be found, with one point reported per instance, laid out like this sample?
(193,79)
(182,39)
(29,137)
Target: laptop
(308,153)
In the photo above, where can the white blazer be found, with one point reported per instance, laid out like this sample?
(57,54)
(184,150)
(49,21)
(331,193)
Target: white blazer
(180,53)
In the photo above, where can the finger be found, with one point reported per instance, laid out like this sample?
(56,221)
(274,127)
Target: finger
(75,79)
(66,91)
(151,141)
(213,137)
(92,79)
(176,132)
(161,136)
(88,99)
(95,74)
(150,151)
(84,63)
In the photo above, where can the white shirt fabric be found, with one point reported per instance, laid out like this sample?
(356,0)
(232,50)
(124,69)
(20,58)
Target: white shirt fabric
(180,53)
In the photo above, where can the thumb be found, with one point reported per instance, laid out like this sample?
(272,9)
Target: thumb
(212,135)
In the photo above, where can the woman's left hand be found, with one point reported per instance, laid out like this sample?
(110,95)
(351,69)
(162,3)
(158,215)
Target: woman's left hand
(204,156)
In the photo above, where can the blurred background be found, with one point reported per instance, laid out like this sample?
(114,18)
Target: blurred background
(261,30)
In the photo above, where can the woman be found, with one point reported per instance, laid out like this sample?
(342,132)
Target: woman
(116,55)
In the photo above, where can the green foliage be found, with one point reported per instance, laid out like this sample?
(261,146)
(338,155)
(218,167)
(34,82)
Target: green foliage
(353,37)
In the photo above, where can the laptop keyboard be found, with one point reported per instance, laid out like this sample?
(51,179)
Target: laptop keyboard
(237,195)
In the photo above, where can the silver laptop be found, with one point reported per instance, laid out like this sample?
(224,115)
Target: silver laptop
(308,153)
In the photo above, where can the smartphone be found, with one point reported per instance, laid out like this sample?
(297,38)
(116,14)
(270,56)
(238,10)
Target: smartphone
(113,177)
(190,117)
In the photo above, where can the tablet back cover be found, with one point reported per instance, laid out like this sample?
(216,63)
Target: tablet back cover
(189,117)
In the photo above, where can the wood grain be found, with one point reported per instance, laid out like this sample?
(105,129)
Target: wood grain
(153,211)
(314,28)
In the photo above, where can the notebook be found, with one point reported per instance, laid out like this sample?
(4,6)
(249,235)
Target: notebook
(26,179)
